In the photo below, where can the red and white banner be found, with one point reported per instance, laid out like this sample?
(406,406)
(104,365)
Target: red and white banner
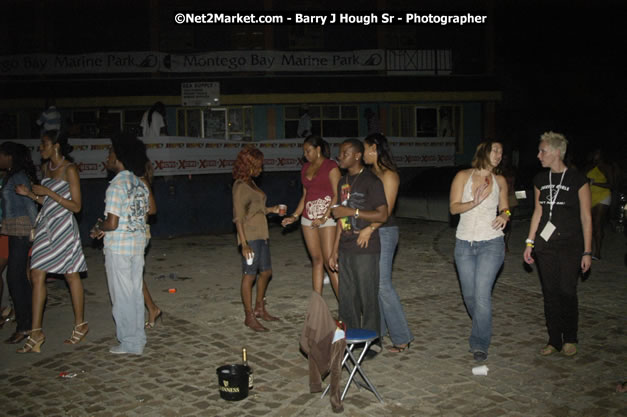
(173,155)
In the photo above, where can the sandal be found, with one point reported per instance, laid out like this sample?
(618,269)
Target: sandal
(569,349)
(151,324)
(548,350)
(31,344)
(7,315)
(76,335)
(399,348)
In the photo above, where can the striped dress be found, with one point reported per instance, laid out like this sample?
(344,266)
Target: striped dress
(57,246)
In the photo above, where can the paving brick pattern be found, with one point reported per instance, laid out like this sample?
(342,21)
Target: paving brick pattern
(202,330)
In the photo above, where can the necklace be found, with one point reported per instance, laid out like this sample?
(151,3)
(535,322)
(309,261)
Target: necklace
(57,167)
(348,195)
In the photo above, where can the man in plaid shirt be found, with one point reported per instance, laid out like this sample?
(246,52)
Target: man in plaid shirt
(124,232)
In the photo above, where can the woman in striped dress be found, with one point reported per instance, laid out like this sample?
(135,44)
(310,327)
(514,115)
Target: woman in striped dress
(57,247)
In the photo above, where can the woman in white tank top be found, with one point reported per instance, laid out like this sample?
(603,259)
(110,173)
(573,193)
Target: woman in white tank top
(479,196)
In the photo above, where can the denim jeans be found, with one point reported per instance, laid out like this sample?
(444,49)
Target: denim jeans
(477,265)
(125,279)
(392,314)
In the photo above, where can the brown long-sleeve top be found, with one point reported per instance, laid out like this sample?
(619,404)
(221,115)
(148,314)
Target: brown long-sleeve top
(249,209)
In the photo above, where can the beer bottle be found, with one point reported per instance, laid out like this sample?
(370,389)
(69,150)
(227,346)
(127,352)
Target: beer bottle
(250,369)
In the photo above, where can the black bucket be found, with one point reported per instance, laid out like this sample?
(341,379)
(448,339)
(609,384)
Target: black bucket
(233,382)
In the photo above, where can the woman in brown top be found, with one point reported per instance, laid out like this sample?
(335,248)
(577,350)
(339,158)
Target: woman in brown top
(249,216)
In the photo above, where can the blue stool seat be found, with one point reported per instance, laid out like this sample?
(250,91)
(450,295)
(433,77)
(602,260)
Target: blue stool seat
(353,338)
(360,336)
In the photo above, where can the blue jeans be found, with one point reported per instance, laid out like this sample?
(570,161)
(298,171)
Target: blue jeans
(125,279)
(477,265)
(392,315)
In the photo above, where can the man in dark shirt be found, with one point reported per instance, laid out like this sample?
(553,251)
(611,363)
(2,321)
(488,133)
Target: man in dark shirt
(362,202)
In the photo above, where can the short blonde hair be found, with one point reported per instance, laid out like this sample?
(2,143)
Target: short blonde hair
(556,141)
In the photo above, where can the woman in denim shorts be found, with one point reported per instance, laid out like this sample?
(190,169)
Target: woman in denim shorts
(249,216)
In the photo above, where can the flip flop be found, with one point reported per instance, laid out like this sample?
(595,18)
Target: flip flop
(548,350)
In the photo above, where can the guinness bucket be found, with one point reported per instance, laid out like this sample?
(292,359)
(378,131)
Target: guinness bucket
(233,382)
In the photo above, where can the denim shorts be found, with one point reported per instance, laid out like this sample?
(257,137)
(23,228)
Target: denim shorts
(306,222)
(261,261)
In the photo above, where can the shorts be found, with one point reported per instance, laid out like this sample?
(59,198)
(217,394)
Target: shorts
(4,247)
(261,261)
(306,222)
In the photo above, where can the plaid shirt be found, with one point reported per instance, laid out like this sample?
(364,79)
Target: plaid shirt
(127,198)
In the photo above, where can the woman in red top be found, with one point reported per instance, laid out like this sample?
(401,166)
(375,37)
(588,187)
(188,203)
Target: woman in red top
(320,177)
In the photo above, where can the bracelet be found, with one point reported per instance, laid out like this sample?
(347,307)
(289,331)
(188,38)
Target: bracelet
(529,241)
(586,254)
(296,216)
(530,245)
(506,211)
(356,213)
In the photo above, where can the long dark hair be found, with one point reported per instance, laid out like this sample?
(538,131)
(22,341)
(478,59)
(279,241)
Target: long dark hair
(384,155)
(21,158)
(60,137)
(317,141)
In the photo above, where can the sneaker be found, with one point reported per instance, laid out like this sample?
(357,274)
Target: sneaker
(119,350)
(326,280)
(480,356)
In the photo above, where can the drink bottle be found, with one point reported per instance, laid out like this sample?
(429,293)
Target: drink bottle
(250,369)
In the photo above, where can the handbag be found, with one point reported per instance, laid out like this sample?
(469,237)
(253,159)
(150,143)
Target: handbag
(33,230)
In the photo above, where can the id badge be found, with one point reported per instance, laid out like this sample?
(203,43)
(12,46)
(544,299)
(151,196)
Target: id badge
(548,230)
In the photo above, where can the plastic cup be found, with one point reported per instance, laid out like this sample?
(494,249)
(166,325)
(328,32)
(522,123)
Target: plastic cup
(250,258)
(480,370)
(282,210)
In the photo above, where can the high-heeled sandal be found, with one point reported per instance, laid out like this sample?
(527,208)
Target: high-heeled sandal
(76,335)
(7,315)
(31,344)
(399,348)
(152,324)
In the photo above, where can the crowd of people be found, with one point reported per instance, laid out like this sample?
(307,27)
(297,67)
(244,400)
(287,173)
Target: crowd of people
(346,215)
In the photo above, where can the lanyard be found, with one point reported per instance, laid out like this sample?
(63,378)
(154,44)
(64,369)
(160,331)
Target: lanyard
(552,199)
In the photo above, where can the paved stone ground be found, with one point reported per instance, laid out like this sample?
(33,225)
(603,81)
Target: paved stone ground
(203,329)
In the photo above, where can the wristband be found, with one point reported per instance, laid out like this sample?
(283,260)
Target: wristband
(530,243)
(296,216)
(586,254)
(506,211)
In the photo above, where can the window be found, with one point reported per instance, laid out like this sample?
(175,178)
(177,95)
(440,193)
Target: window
(234,123)
(333,120)
(132,120)
(427,121)
(87,120)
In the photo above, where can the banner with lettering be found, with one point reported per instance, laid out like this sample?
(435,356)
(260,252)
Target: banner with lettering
(182,155)
(432,62)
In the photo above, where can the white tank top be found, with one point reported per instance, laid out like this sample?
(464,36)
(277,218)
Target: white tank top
(476,224)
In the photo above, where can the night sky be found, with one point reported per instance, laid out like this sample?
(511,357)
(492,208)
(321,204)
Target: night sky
(561,69)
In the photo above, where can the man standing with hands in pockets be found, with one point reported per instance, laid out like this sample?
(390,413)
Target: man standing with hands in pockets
(362,202)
